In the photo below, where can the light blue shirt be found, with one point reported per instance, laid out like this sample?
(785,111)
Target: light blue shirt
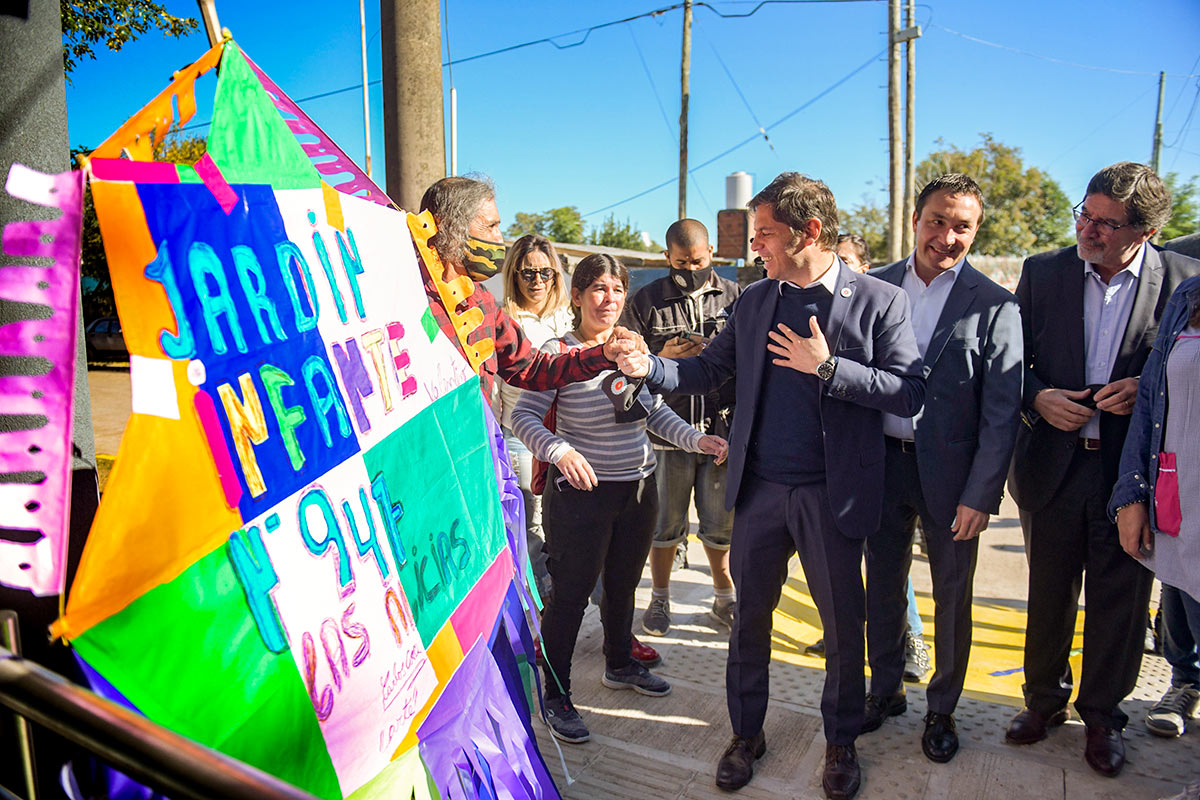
(1106,310)
(927,304)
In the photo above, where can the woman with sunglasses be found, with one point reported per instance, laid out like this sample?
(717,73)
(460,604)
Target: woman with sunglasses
(535,296)
(600,502)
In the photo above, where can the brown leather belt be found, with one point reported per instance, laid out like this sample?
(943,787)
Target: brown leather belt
(1089,444)
(904,445)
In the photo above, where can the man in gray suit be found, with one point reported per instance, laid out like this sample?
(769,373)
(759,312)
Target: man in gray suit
(947,464)
(818,353)
(1089,315)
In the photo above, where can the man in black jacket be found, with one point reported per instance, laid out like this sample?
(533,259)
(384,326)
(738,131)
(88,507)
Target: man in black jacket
(678,315)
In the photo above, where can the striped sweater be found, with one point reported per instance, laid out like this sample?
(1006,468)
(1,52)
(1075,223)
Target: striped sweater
(617,451)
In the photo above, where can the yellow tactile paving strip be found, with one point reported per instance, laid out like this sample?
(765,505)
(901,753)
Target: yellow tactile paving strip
(996,651)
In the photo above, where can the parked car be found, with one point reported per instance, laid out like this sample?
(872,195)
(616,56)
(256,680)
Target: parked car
(104,339)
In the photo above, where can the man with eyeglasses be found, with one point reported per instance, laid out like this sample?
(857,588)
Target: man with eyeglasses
(1089,314)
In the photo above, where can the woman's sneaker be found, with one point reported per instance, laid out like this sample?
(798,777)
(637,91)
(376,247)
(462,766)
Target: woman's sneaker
(564,721)
(636,677)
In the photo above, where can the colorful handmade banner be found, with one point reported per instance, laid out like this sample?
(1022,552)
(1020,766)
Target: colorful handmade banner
(309,521)
(34,516)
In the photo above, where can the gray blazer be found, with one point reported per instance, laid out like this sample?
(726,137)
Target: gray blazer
(1051,296)
(965,433)
(879,369)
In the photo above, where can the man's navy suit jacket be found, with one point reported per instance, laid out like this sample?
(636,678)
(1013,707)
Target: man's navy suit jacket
(1050,293)
(965,433)
(879,369)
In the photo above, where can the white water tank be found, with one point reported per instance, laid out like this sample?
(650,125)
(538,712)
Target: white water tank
(739,188)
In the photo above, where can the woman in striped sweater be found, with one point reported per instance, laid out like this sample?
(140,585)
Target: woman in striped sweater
(599,508)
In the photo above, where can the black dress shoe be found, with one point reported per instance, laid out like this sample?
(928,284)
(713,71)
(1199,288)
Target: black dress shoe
(940,741)
(1028,726)
(842,775)
(880,708)
(1105,750)
(736,766)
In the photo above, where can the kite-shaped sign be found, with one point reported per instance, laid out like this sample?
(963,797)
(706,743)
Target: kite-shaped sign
(306,555)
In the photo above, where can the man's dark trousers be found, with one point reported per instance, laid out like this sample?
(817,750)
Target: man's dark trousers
(770,521)
(1073,534)
(889,556)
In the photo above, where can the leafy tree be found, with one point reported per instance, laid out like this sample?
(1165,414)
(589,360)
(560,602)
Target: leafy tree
(114,22)
(95,281)
(869,220)
(557,224)
(1026,210)
(1185,213)
(619,234)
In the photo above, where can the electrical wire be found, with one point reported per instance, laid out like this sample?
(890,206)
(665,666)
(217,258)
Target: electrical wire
(1179,94)
(977,40)
(587,32)
(1187,123)
(1100,127)
(672,131)
(738,89)
(748,139)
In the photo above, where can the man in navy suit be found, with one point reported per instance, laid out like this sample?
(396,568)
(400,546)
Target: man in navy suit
(1089,315)
(806,453)
(946,465)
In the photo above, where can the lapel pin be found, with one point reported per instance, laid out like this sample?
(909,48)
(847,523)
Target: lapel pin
(846,291)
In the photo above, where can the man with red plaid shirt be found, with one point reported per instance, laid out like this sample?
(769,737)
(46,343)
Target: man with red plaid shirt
(469,242)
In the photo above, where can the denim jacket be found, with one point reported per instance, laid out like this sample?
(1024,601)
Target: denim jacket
(1139,458)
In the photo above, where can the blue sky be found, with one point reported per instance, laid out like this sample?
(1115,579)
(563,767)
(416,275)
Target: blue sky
(1073,85)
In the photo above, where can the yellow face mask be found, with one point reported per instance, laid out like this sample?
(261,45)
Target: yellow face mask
(483,259)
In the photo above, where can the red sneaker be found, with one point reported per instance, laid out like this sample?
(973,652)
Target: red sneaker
(644,654)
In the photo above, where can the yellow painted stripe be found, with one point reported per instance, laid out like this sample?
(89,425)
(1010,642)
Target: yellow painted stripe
(997,648)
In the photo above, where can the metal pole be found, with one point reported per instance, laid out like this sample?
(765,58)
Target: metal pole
(10,638)
(684,94)
(413,120)
(208,11)
(895,170)
(453,131)
(910,62)
(161,759)
(1156,148)
(362,32)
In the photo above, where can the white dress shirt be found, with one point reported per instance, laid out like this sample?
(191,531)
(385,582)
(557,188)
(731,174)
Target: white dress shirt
(1106,309)
(927,304)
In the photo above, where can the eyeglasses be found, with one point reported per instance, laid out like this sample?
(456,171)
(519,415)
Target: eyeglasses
(1102,225)
(531,275)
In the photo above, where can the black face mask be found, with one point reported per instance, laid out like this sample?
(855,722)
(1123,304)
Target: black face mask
(689,280)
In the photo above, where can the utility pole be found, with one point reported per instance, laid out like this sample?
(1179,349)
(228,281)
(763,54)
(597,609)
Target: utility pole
(684,92)
(413,123)
(896,171)
(910,63)
(1156,148)
(362,33)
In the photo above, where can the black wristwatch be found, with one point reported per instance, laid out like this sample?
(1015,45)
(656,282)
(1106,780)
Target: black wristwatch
(826,368)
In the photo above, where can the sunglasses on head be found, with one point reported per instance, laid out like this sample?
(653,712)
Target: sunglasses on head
(531,275)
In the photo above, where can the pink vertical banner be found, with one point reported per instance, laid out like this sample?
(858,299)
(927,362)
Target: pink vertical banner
(34,516)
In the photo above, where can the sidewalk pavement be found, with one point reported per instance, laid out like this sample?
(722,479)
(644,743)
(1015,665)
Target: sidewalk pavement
(643,747)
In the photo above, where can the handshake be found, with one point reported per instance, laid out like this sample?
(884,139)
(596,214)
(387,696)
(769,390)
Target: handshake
(628,351)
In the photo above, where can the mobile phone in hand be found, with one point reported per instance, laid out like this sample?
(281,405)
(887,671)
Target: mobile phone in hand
(1090,400)
(561,482)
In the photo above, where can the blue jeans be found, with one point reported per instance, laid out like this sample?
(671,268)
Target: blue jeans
(914,616)
(679,473)
(1180,626)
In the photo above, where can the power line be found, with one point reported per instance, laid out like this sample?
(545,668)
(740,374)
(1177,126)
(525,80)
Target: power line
(550,40)
(752,138)
(1182,89)
(1101,126)
(671,131)
(977,40)
(738,89)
